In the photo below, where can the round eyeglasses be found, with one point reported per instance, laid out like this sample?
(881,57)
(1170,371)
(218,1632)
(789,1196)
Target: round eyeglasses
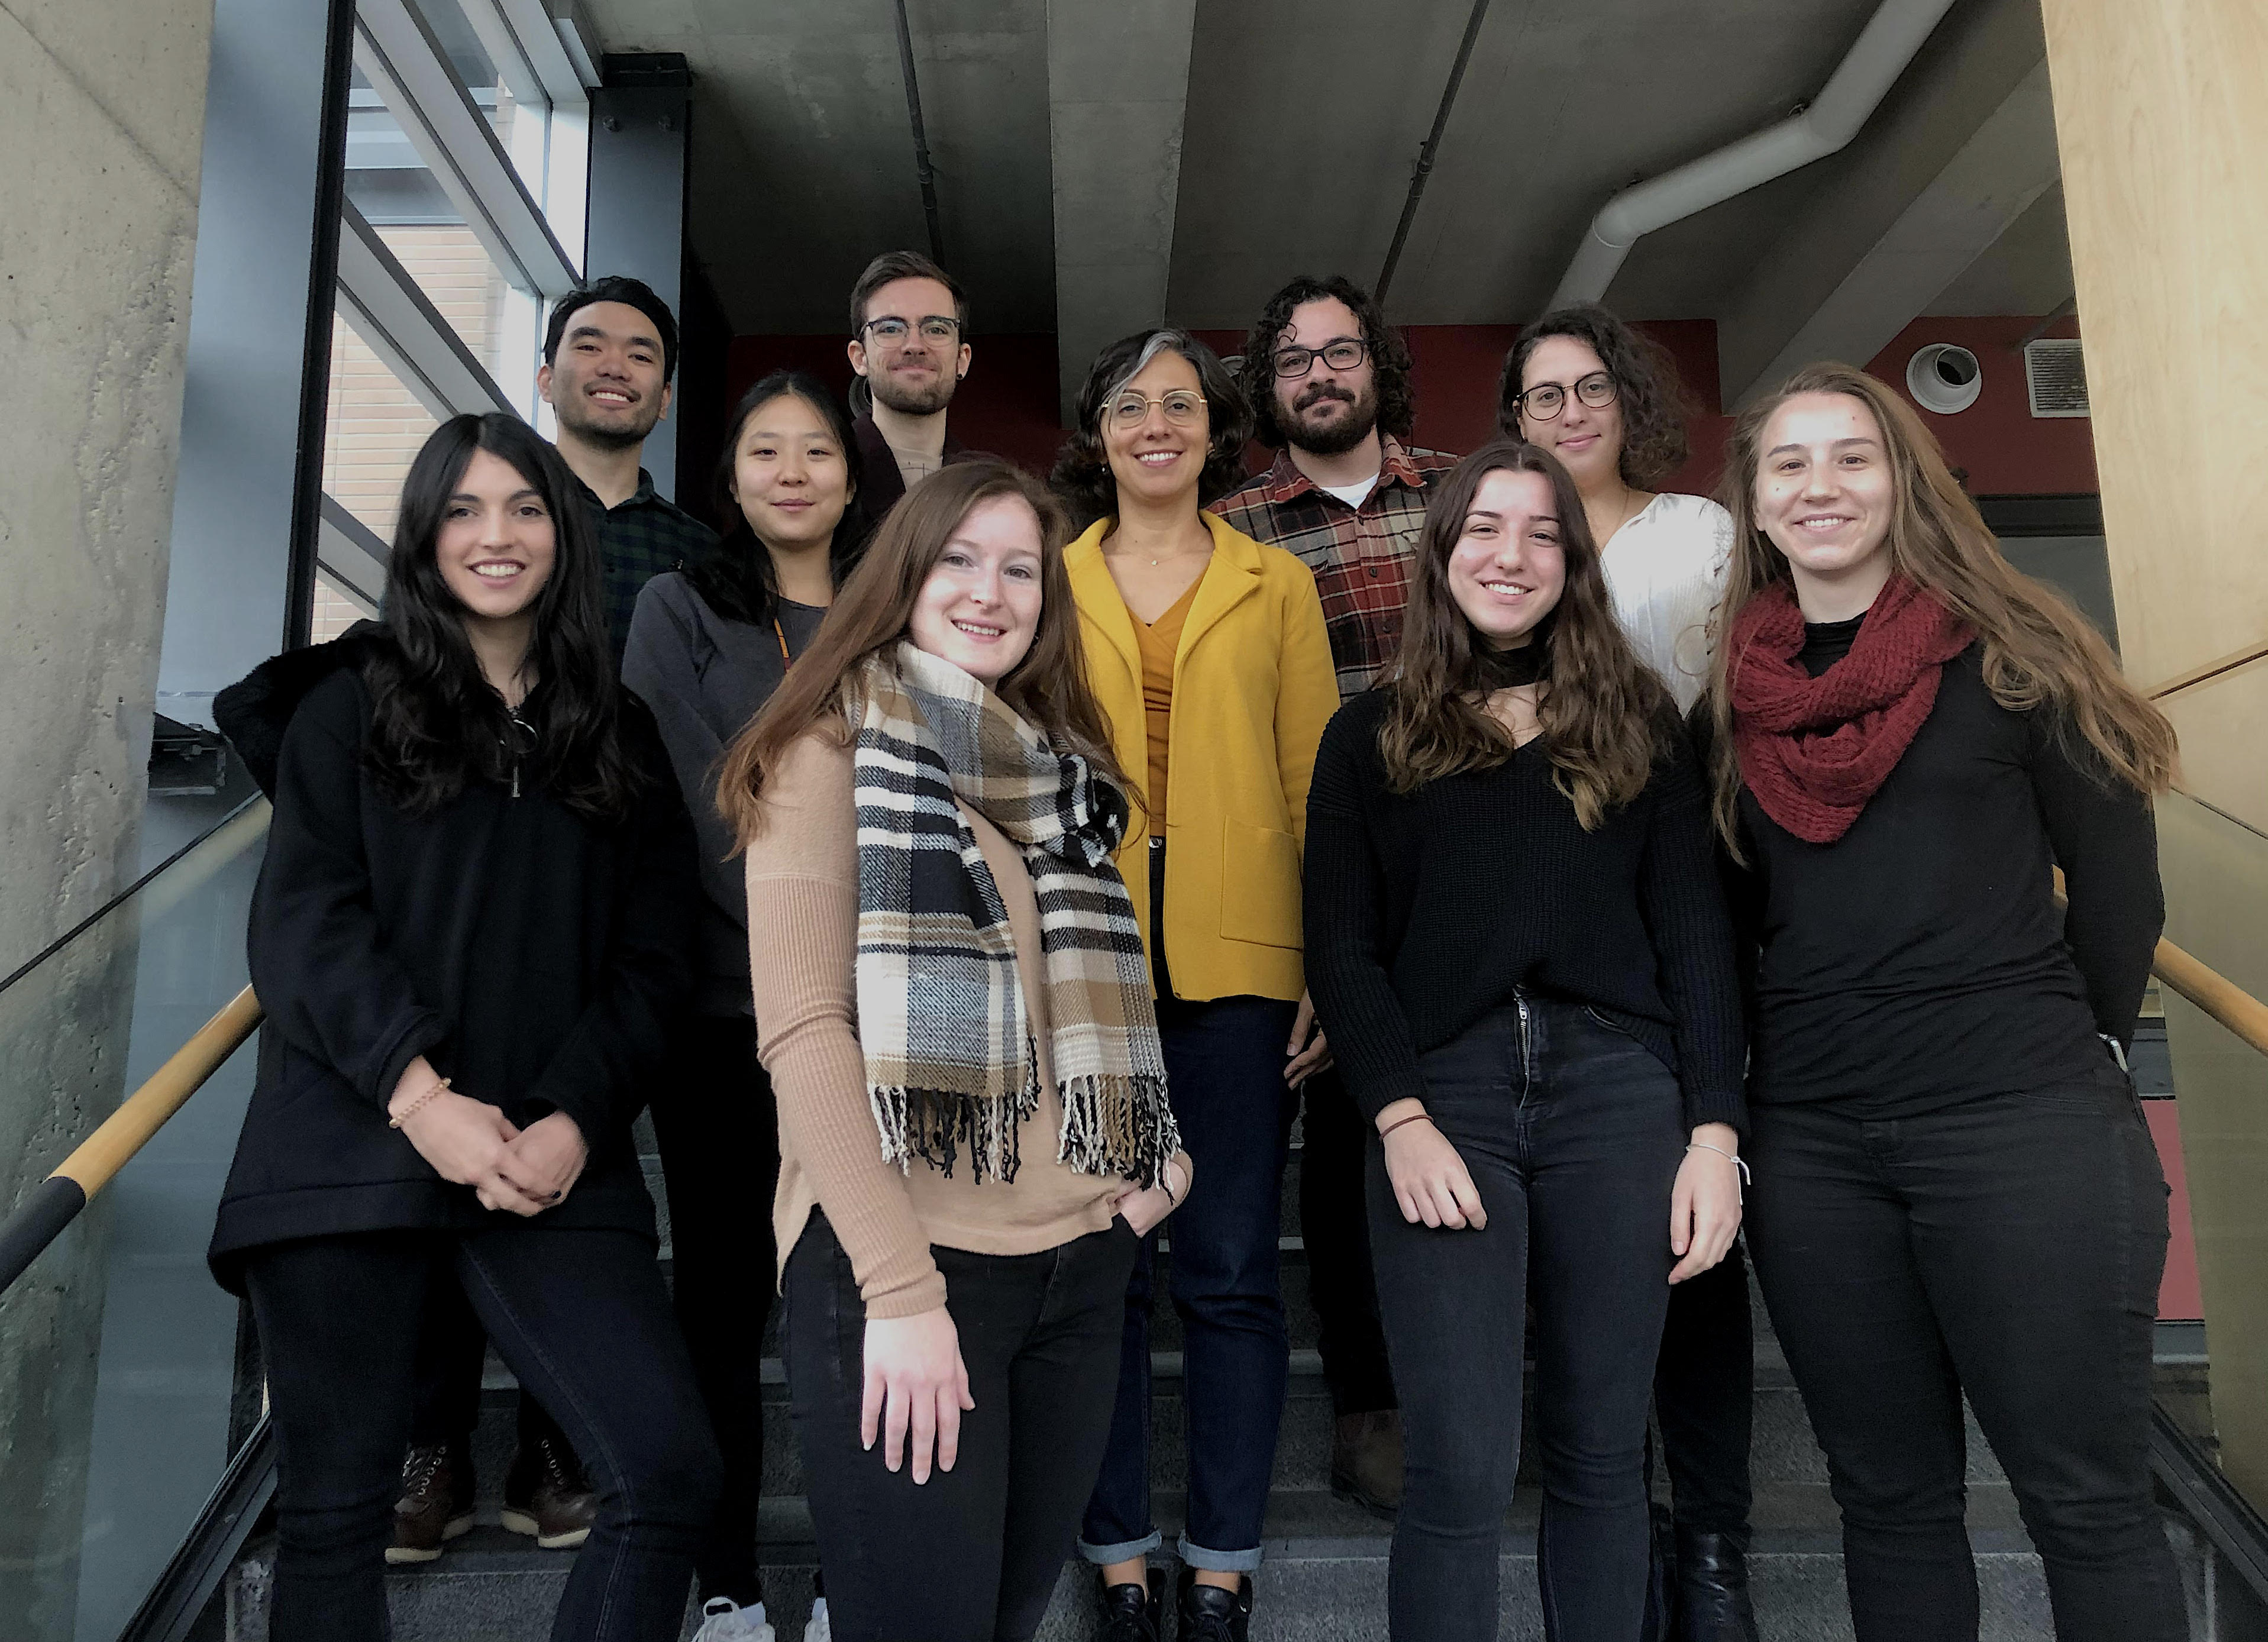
(1546,400)
(1183,406)
(937,327)
(1344,354)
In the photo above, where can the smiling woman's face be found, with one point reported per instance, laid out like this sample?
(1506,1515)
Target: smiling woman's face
(1508,568)
(789,474)
(1157,459)
(1824,494)
(980,606)
(1586,439)
(497,544)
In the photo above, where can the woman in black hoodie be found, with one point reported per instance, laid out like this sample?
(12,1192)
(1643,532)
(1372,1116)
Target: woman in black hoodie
(468,937)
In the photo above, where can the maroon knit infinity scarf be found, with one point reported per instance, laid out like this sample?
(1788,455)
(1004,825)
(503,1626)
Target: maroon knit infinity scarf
(1814,750)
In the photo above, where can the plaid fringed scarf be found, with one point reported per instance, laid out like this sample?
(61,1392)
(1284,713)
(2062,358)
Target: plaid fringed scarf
(942,1020)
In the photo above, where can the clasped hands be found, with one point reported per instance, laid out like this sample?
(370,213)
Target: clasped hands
(470,1143)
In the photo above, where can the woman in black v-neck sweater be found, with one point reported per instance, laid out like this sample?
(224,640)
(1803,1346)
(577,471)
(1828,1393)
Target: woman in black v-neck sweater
(1515,932)
(1954,1190)
(468,937)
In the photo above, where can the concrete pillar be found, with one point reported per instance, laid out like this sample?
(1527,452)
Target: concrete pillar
(638,147)
(101,111)
(2164,137)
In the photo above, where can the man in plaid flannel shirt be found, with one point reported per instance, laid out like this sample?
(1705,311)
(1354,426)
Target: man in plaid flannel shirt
(1329,386)
(608,356)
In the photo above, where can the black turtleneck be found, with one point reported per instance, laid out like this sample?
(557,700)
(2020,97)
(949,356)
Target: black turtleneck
(1920,960)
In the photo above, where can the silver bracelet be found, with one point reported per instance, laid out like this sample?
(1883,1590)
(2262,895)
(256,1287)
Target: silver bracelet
(1747,1178)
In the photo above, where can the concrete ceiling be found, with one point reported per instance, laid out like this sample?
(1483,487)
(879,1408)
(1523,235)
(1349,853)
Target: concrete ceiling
(1292,147)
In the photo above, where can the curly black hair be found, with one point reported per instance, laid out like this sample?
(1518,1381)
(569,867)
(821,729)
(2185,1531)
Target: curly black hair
(1082,471)
(1653,400)
(1389,357)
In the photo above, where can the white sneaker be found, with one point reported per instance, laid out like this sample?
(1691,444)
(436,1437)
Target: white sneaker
(724,1620)
(819,1629)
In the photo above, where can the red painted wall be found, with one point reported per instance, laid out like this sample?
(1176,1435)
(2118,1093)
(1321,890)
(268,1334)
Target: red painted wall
(1008,403)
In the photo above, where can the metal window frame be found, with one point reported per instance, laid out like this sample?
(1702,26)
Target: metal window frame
(352,555)
(528,46)
(398,55)
(378,297)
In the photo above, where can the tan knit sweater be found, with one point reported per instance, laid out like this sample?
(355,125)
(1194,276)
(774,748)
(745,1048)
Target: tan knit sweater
(802,925)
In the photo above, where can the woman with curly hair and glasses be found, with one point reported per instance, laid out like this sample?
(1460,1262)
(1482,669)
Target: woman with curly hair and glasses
(1208,654)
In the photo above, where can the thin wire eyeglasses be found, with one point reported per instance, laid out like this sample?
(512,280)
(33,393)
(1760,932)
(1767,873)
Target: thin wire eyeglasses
(1545,400)
(1182,408)
(1342,353)
(935,327)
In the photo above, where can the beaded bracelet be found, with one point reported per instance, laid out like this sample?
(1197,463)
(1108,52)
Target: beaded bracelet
(1403,1123)
(397,1119)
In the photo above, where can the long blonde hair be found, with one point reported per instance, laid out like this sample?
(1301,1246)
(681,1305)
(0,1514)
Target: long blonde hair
(2039,650)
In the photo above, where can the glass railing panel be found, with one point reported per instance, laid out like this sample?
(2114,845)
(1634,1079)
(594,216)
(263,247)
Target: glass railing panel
(117,1350)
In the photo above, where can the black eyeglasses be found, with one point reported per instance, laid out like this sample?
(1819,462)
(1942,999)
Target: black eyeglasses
(935,327)
(1342,353)
(1546,400)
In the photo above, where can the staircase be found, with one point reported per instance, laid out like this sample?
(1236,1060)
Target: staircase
(1324,1578)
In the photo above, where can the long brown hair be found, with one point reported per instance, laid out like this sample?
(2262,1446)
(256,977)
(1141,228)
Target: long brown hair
(1599,706)
(873,611)
(2039,650)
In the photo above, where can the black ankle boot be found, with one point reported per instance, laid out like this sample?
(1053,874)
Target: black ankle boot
(1129,1612)
(1212,1613)
(1712,1589)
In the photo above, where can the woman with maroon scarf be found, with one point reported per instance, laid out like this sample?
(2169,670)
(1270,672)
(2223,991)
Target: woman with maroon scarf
(1953,1189)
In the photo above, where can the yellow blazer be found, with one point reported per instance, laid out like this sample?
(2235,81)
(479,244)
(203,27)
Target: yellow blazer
(1253,688)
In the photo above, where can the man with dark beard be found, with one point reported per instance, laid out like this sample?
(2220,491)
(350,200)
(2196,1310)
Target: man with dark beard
(608,356)
(909,348)
(1329,386)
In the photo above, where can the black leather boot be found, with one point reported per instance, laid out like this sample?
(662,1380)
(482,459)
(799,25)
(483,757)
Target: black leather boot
(1129,1612)
(1712,1590)
(1212,1613)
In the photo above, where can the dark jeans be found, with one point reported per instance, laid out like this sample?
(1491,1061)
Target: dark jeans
(581,1317)
(2009,1247)
(973,1554)
(1705,1391)
(1225,1067)
(1334,1151)
(1573,1133)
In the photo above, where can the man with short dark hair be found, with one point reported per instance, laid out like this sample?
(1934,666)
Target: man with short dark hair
(609,357)
(1329,382)
(909,348)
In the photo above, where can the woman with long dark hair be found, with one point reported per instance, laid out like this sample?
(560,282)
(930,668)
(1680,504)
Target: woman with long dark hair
(973,1127)
(708,646)
(1515,932)
(1208,653)
(468,938)
(1604,399)
(1955,1192)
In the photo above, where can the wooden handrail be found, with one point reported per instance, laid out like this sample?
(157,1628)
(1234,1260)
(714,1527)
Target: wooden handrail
(2210,670)
(144,1113)
(2213,992)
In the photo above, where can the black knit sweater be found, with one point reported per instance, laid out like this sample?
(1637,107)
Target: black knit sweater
(1426,910)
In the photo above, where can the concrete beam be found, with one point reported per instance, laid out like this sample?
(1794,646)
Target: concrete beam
(1118,82)
(1964,145)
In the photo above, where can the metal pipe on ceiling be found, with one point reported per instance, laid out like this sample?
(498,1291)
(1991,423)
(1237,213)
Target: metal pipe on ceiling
(1889,42)
(923,169)
(1432,146)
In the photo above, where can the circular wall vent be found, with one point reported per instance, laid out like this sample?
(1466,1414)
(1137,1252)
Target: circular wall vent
(1944,378)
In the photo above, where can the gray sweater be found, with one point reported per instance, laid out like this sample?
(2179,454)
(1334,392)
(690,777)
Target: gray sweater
(705,677)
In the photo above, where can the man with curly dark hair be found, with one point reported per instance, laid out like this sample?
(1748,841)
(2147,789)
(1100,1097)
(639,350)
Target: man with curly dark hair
(1328,383)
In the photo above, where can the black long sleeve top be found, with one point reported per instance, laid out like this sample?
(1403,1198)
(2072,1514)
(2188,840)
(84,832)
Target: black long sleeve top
(532,956)
(705,676)
(1920,960)
(1426,910)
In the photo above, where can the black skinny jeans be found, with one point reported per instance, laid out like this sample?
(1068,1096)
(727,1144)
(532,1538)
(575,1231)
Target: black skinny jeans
(1704,1394)
(973,1554)
(581,1318)
(1334,1151)
(1573,1133)
(2010,1247)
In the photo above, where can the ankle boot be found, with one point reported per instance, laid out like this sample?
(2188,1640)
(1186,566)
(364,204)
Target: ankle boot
(1129,1611)
(1712,1589)
(1212,1613)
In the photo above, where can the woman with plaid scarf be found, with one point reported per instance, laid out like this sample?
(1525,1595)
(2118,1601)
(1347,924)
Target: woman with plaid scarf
(952,1002)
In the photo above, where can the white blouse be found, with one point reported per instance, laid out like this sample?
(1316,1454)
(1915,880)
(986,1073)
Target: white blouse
(1666,569)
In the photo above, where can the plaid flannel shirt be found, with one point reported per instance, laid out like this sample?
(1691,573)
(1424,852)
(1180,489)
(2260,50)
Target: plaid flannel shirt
(1360,555)
(637,542)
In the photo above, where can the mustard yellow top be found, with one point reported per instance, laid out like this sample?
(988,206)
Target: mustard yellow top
(1253,688)
(1158,641)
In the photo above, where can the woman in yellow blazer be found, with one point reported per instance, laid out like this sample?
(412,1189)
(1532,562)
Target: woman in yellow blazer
(1208,654)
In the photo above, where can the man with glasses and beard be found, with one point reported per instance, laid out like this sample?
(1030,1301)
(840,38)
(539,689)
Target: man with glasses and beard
(909,348)
(1329,386)
(608,356)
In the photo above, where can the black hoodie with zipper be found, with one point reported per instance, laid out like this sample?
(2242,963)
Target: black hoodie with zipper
(535,957)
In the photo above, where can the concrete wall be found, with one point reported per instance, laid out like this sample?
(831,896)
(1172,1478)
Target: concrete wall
(102,110)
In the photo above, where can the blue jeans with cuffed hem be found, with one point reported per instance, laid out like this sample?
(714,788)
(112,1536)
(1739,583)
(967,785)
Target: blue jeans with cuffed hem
(1573,1133)
(1225,1066)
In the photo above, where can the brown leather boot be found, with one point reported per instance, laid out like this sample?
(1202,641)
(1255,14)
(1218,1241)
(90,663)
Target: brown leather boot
(1367,1460)
(436,1499)
(547,1496)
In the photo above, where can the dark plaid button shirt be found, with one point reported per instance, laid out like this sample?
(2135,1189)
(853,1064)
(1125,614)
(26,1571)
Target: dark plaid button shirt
(1361,555)
(637,541)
